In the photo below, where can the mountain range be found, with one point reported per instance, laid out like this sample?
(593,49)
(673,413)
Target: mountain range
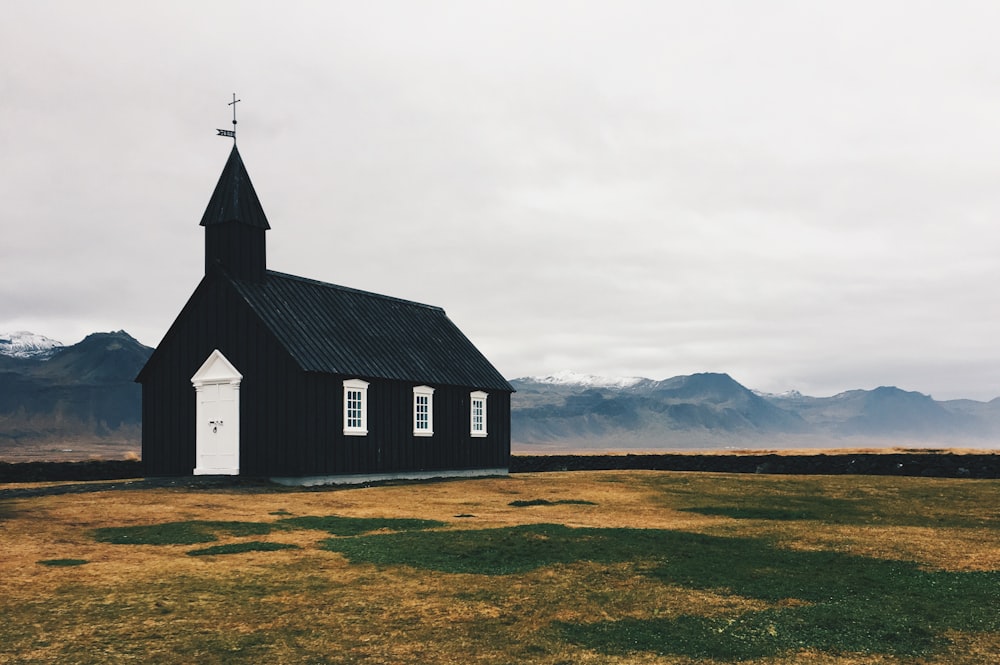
(713,410)
(54,398)
(70,395)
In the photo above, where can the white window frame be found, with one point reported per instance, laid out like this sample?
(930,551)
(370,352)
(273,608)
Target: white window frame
(360,388)
(421,393)
(480,397)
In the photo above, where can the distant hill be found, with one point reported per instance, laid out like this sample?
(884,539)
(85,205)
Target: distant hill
(72,395)
(69,402)
(710,410)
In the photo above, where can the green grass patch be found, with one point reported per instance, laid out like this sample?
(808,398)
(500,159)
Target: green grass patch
(524,503)
(857,501)
(856,604)
(353,526)
(504,551)
(759,634)
(178,533)
(203,531)
(785,508)
(239,548)
(63,562)
(851,603)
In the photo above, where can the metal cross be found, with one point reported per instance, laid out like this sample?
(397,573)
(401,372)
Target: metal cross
(233,104)
(226,132)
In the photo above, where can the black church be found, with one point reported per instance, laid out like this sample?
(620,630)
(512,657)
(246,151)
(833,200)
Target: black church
(270,375)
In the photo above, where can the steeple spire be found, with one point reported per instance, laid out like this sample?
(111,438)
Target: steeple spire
(235,223)
(234,198)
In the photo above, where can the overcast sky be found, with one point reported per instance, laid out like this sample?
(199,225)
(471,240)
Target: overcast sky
(805,195)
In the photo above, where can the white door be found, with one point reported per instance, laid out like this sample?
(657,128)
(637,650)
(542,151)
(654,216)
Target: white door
(218,448)
(217,430)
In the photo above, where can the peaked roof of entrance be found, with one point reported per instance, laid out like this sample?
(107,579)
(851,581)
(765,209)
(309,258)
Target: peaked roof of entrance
(234,198)
(339,330)
(216,369)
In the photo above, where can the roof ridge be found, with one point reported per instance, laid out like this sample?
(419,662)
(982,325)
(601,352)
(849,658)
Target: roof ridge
(372,294)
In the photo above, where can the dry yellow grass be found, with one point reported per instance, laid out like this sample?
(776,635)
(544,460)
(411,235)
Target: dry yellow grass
(153,603)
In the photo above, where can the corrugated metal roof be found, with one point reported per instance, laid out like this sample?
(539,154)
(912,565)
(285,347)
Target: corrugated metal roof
(339,330)
(234,198)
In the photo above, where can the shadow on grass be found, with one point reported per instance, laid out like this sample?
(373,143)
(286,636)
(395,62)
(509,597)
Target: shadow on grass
(178,533)
(786,508)
(525,503)
(352,526)
(201,531)
(58,563)
(805,500)
(239,548)
(851,603)
(833,511)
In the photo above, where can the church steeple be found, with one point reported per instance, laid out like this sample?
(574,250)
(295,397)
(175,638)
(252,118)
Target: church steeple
(235,223)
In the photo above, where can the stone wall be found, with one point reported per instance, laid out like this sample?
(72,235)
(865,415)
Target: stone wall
(926,464)
(940,465)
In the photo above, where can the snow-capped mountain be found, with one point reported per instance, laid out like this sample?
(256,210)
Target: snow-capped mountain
(570,378)
(24,344)
(709,410)
(83,393)
(788,394)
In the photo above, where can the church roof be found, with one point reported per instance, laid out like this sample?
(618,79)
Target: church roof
(234,198)
(339,330)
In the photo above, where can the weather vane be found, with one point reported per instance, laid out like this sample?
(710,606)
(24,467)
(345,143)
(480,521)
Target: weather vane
(226,132)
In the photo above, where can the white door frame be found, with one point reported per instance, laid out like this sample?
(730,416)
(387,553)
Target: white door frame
(217,417)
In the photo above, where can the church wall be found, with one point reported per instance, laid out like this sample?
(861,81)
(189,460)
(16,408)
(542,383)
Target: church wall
(215,318)
(390,445)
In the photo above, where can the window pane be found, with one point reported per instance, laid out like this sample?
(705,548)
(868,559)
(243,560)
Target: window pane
(422,412)
(477,415)
(354,409)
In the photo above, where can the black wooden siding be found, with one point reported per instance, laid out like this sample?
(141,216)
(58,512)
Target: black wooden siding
(212,319)
(391,446)
(291,420)
(238,247)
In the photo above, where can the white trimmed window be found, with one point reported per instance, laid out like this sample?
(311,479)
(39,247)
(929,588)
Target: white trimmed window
(477,413)
(355,407)
(423,411)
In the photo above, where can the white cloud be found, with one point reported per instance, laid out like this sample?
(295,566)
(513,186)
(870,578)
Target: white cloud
(801,195)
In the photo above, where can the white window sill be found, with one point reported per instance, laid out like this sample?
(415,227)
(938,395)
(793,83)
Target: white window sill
(423,433)
(479,435)
(355,432)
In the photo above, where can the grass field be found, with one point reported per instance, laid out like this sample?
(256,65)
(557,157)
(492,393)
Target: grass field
(554,568)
